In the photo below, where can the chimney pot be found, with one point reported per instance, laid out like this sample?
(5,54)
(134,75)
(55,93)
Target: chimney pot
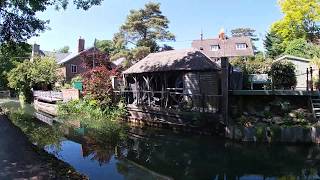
(222,34)
(35,51)
(80,44)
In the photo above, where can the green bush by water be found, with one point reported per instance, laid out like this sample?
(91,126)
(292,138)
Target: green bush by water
(91,116)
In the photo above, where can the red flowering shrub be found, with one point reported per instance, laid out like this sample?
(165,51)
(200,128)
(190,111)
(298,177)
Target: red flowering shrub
(97,79)
(97,84)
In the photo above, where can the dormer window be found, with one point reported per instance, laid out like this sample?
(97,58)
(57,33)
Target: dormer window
(241,46)
(214,47)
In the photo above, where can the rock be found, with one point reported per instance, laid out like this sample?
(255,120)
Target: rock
(246,113)
(277,119)
(293,115)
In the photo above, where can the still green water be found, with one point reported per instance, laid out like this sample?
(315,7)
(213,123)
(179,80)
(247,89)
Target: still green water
(154,154)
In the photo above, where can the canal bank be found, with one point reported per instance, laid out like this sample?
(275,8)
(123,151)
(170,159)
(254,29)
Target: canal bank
(20,159)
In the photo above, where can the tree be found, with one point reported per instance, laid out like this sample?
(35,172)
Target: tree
(144,27)
(301,20)
(64,49)
(18,20)
(283,75)
(106,46)
(273,44)
(11,54)
(247,32)
(41,73)
(97,79)
(301,48)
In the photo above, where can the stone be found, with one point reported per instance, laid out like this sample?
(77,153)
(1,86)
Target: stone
(292,115)
(277,119)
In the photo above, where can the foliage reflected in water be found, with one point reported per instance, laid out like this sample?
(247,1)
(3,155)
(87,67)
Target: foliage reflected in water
(39,133)
(104,122)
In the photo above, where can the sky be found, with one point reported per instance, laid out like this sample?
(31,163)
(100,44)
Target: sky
(187,19)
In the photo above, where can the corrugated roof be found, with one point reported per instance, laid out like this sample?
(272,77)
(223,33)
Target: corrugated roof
(227,47)
(174,60)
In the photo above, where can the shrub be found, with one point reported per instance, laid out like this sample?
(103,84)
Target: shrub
(39,74)
(283,75)
(91,116)
(97,84)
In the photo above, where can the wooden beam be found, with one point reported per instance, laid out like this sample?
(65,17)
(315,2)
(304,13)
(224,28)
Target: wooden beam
(225,88)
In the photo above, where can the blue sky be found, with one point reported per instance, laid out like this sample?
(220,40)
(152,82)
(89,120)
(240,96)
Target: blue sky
(187,18)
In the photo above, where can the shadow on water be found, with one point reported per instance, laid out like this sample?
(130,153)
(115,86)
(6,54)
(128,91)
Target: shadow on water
(154,154)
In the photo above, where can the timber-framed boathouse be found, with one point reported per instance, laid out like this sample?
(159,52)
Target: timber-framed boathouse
(179,88)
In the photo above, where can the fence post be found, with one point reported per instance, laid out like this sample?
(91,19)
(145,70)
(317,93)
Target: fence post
(318,79)
(311,81)
(224,88)
(307,79)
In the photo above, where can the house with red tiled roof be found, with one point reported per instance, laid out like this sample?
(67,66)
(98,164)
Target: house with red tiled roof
(224,46)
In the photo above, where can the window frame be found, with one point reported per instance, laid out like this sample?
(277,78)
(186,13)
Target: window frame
(241,46)
(217,47)
(76,68)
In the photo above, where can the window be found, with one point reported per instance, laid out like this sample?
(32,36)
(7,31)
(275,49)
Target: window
(241,46)
(214,47)
(74,68)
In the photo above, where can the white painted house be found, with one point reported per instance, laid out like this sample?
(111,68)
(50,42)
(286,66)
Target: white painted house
(301,65)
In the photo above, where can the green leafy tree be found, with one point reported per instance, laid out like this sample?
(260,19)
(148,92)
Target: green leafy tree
(283,75)
(144,27)
(301,20)
(301,48)
(41,73)
(18,20)
(106,46)
(273,45)
(11,54)
(64,49)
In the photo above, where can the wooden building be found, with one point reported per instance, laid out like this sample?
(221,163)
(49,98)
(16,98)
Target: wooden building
(176,82)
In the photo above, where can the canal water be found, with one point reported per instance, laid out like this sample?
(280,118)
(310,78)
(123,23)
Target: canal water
(153,154)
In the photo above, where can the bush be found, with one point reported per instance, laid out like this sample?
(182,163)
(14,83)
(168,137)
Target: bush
(39,74)
(301,48)
(97,84)
(283,75)
(91,116)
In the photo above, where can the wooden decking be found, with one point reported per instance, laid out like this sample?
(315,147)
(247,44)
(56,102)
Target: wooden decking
(273,93)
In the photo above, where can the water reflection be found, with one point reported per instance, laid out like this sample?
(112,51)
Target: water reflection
(151,154)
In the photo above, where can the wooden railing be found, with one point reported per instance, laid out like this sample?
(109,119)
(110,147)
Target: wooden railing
(5,93)
(171,100)
(50,96)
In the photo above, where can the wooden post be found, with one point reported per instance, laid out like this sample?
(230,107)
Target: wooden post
(311,81)
(307,79)
(318,79)
(224,88)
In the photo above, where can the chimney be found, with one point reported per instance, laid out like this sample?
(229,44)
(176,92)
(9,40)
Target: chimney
(80,44)
(35,51)
(222,35)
